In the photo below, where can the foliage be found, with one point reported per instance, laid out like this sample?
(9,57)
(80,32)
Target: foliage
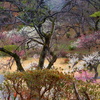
(96,14)
(40,84)
(46,85)
(88,90)
(11,48)
(89,61)
(71,47)
(89,41)
(68,35)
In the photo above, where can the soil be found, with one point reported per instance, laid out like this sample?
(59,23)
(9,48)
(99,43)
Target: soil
(59,64)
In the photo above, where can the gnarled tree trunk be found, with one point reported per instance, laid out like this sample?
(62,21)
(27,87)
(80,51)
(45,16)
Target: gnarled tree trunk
(16,58)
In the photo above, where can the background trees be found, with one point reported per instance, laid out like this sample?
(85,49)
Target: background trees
(35,14)
(41,24)
(44,17)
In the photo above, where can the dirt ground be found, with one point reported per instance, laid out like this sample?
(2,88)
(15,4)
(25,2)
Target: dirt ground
(59,64)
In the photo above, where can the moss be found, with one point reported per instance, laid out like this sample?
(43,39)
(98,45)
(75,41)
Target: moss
(9,48)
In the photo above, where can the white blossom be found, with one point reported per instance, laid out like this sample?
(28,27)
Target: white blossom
(77,65)
(73,60)
(92,58)
(75,43)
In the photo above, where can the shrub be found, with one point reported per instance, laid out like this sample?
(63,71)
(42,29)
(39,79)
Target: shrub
(68,35)
(38,84)
(71,47)
(63,53)
(89,41)
(47,85)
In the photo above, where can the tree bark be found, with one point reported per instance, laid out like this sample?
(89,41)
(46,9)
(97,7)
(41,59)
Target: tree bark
(54,58)
(18,63)
(16,58)
(96,72)
(42,57)
(44,52)
(96,25)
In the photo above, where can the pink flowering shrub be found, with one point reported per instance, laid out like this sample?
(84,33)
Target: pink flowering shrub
(84,75)
(88,41)
(20,53)
(11,43)
(16,39)
(47,85)
(2,35)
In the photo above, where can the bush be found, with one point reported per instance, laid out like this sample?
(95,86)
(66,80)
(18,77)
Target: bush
(38,84)
(71,47)
(68,35)
(47,85)
(63,53)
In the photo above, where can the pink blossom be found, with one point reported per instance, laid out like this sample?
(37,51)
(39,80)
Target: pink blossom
(2,35)
(15,39)
(83,75)
(88,41)
(20,53)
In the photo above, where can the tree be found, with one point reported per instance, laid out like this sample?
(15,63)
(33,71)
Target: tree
(77,19)
(6,44)
(89,61)
(35,14)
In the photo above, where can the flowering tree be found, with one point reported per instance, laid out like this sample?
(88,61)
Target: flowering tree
(36,13)
(50,84)
(89,41)
(7,42)
(89,61)
(84,75)
(92,61)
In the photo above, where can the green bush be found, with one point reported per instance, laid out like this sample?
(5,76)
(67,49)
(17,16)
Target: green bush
(9,48)
(68,35)
(71,47)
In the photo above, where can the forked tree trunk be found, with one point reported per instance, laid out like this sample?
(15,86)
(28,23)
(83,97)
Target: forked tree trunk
(54,58)
(44,52)
(16,58)
(42,57)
